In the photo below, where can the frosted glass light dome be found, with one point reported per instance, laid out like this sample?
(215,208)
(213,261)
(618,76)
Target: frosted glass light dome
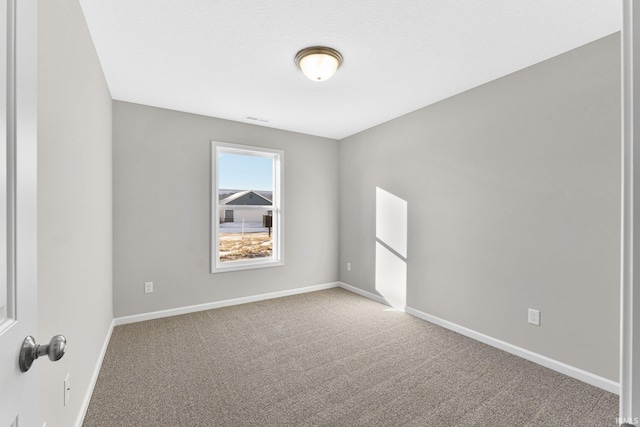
(318,63)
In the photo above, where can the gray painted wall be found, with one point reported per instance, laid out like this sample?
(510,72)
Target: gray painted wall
(74,206)
(513,192)
(162,169)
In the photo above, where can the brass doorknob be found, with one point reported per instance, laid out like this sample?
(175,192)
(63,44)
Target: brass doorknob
(30,351)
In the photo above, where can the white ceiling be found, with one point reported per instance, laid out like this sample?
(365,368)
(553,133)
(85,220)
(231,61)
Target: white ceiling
(234,58)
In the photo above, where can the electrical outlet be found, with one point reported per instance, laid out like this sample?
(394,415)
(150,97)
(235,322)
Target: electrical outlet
(348,266)
(67,389)
(148,287)
(534,317)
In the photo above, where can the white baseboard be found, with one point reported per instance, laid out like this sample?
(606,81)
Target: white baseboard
(94,377)
(547,362)
(217,304)
(365,294)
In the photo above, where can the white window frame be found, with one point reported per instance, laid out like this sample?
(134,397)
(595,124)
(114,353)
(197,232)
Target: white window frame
(277,206)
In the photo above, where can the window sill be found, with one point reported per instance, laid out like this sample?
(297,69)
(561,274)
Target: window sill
(245,265)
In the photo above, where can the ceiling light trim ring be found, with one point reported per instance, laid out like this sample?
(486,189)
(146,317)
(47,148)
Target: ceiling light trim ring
(314,50)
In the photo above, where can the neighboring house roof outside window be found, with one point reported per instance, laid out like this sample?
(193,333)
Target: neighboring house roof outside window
(244,198)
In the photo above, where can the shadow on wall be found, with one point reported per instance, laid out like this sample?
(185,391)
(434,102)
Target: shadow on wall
(391,248)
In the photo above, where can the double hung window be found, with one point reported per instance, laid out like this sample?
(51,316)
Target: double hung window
(247,201)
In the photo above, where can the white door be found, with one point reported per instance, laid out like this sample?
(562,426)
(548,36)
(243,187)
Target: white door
(18,173)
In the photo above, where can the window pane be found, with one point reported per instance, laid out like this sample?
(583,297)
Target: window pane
(244,172)
(248,236)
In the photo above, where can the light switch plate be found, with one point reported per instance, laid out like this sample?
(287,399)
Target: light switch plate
(67,389)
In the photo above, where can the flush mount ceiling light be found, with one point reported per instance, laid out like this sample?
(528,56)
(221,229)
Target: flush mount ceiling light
(318,63)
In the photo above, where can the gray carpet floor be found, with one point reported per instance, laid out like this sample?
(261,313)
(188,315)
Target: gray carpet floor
(327,358)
